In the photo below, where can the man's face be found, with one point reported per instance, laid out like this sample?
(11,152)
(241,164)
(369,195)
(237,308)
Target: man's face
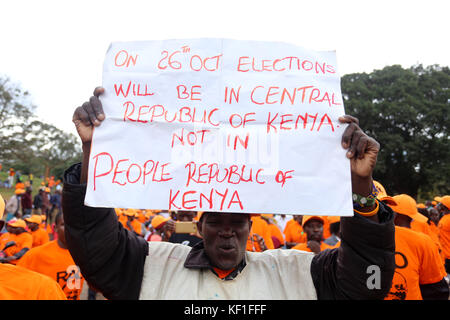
(59,228)
(314,230)
(442,209)
(434,215)
(186,215)
(32,226)
(298,218)
(225,238)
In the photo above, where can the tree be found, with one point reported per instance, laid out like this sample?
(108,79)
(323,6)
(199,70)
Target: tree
(30,145)
(51,147)
(15,113)
(407,112)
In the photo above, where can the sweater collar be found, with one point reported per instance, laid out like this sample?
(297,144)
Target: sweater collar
(197,259)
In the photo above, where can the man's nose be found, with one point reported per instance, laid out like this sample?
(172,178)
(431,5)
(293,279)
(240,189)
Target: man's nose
(226,231)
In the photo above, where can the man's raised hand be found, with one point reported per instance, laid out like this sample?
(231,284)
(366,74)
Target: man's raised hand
(87,116)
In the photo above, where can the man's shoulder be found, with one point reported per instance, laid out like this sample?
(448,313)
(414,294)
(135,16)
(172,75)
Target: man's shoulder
(413,237)
(280,255)
(445,221)
(167,248)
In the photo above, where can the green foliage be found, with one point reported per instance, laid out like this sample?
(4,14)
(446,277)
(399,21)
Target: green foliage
(29,145)
(407,112)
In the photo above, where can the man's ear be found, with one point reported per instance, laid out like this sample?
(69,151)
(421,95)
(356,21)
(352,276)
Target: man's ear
(200,227)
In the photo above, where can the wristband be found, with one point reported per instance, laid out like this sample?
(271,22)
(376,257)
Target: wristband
(370,213)
(360,201)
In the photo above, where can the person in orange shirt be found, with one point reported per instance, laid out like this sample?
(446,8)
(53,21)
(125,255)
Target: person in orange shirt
(48,228)
(433,220)
(423,226)
(20,185)
(334,239)
(157,228)
(293,232)
(54,260)
(132,224)
(313,226)
(40,236)
(419,272)
(275,232)
(17,283)
(22,240)
(444,229)
(260,237)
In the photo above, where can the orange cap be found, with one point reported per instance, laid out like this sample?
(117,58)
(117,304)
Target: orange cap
(158,221)
(47,190)
(18,223)
(421,206)
(445,200)
(199,215)
(130,212)
(43,217)
(307,218)
(438,199)
(407,205)
(333,219)
(34,219)
(382,195)
(267,215)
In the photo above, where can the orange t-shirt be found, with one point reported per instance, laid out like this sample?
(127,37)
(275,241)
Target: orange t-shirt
(40,237)
(444,235)
(23,240)
(304,247)
(57,263)
(260,227)
(326,228)
(294,232)
(276,232)
(417,262)
(20,185)
(136,225)
(4,239)
(17,283)
(426,229)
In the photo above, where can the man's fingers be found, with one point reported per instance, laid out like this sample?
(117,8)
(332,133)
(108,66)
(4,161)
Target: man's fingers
(91,113)
(348,135)
(81,115)
(98,91)
(361,146)
(97,107)
(348,119)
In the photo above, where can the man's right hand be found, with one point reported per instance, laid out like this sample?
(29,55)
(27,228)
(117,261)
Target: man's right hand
(87,116)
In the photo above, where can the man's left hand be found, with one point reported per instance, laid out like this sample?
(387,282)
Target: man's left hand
(362,152)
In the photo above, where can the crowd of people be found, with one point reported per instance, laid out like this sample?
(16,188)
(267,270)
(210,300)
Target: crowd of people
(53,245)
(33,238)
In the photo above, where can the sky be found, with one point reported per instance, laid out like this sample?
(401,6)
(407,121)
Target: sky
(55,49)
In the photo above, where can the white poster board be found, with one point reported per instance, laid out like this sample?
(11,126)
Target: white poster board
(220,125)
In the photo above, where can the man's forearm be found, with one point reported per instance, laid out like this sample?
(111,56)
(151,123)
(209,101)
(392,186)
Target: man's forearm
(366,247)
(110,257)
(85,163)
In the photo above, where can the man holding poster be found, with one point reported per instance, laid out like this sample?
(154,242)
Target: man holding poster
(123,266)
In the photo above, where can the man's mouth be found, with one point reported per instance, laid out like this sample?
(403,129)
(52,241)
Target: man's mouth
(227,248)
